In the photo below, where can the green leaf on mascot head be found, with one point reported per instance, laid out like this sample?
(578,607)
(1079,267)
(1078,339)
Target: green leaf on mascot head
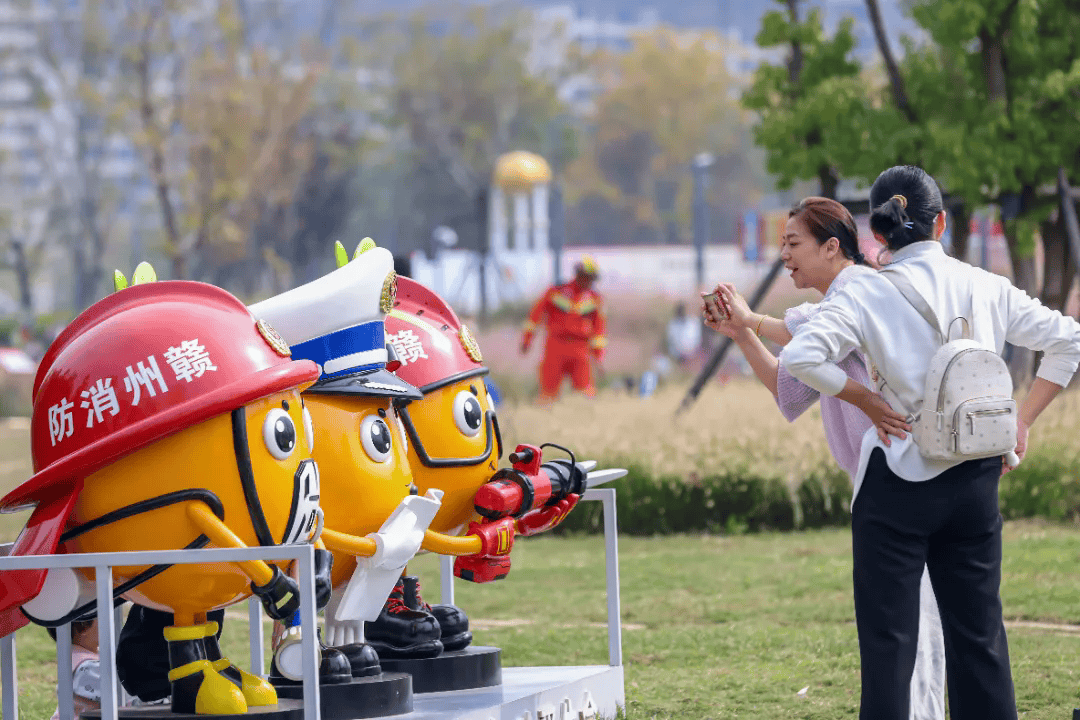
(119,281)
(365,245)
(341,257)
(144,273)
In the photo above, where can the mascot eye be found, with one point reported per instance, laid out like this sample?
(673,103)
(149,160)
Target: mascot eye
(468,415)
(376,439)
(279,433)
(309,430)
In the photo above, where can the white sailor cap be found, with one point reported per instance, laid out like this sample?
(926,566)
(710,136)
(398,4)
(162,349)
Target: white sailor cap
(337,321)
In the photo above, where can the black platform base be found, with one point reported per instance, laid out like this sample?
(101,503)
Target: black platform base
(284,710)
(473,667)
(390,693)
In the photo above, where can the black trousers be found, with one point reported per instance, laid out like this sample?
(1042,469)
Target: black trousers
(142,654)
(953,525)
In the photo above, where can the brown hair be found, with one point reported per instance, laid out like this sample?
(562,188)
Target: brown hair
(825,219)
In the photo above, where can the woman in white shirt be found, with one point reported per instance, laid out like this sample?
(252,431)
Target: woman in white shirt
(909,510)
(821,248)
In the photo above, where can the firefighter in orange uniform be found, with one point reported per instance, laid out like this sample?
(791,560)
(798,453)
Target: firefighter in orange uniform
(574,314)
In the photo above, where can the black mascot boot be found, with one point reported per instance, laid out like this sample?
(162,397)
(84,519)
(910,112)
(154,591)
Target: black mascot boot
(400,632)
(196,686)
(362,658)
(333,669)
(453,622)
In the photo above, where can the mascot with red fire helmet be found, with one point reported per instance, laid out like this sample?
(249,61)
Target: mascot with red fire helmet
(167,417)
(455,445)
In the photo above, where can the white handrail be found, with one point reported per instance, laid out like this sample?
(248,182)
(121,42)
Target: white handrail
(611,560)
(103,564)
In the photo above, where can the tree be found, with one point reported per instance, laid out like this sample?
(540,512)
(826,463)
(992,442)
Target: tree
(998,100)
(81,50)
(811,110)
(221,122)
(461,93)
(662,102)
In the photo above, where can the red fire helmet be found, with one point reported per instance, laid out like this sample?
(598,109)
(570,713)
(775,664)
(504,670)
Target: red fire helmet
(431,343)
(139,365)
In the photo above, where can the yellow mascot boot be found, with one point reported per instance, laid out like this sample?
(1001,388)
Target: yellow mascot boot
(257,691)
(196,686)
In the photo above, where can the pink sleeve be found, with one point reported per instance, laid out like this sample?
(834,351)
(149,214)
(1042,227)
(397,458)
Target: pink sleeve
(793,397)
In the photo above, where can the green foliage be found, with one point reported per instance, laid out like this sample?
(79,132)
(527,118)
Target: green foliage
(732,500)
(812,115)
(728,627)
(737,500)
(1044,485)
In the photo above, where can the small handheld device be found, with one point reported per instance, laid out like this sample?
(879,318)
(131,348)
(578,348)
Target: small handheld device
(716,306)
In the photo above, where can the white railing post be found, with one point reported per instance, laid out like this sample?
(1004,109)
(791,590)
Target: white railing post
(118,625)
(446,579)
(255,636)
(106,641)
(8,676)
(65,698)
(611,561)
(309,640)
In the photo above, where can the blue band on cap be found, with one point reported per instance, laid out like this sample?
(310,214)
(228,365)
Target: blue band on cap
(361,338)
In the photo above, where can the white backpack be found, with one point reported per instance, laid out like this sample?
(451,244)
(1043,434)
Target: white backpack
(968,410)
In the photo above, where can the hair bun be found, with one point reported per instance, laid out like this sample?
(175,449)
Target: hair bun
(900,199)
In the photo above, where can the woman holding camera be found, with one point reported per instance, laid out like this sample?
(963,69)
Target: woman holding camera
(912,510)
(820,249)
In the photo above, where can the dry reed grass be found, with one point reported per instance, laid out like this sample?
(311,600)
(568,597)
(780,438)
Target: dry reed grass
(735,424)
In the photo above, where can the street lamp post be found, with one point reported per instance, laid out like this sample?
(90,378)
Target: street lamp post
(699,169)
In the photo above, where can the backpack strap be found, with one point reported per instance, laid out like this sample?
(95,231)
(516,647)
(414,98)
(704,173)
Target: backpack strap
(916,300)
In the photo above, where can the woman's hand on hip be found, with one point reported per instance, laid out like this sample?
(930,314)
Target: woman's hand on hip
(1022,431)
(886,420)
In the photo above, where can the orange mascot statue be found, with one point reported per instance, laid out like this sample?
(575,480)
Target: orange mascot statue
(167,417)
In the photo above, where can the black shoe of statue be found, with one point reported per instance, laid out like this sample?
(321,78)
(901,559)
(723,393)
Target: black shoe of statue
(363,659)
(400,632)
(334,667)
(453,622)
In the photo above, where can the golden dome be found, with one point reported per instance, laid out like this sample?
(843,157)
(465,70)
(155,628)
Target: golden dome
(520,170)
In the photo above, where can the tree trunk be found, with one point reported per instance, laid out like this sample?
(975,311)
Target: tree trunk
(1068,217)
(795,62)
(829,181)
(993,62)
(156,161)
(896,81)
(482,209)
(1058,272)
(22,274)
(1021,360)
(961,230)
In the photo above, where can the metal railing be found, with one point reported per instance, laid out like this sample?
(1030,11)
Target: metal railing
(103,563)
(109,623)
(611,572)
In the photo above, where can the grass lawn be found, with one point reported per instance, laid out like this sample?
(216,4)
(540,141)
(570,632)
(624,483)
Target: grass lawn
(719,627)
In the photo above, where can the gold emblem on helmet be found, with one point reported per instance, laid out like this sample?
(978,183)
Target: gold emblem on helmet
(471,348)
(270,335)
(389,293)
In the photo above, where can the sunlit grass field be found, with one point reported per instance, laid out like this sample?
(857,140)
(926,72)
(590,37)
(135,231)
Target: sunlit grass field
(717,627)
(714,627)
